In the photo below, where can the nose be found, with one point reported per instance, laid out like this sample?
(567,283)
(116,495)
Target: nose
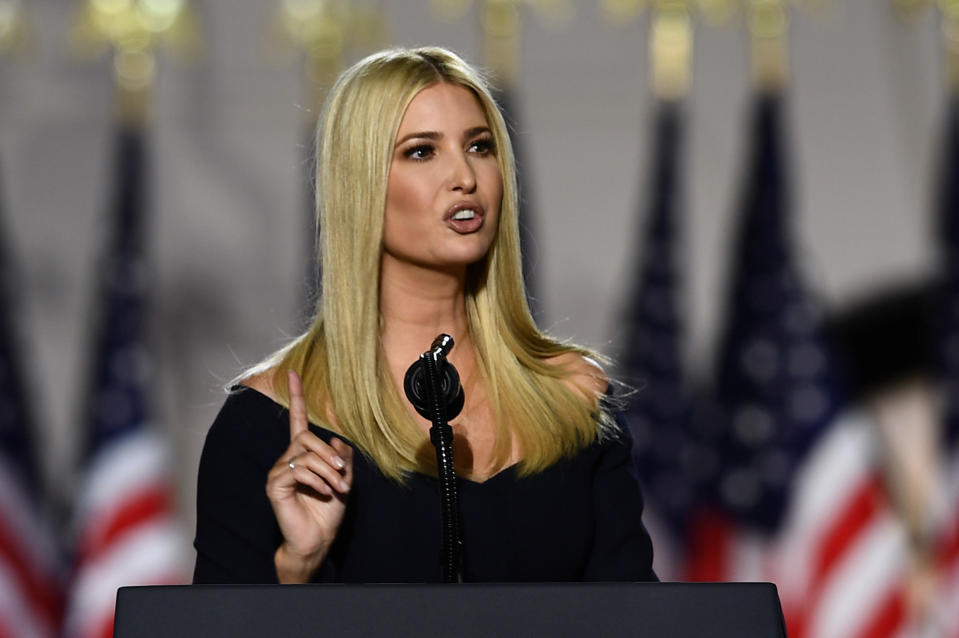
(462,175)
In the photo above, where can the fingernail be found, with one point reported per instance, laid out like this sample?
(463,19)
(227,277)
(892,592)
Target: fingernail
(338,462)
(344,487)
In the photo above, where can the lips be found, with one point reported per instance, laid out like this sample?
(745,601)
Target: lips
(464,217)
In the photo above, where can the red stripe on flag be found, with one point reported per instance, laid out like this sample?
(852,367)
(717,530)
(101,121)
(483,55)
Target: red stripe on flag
(5,631)
(947,551)
(797,620)
(888,617)
(138,508)
(853,517)
(42,593)
(707,558)
(856,514)
(103,627)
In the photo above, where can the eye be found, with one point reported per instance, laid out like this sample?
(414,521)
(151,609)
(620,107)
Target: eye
(482,146)
(419,153)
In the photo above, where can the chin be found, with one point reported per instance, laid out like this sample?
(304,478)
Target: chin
(468,258)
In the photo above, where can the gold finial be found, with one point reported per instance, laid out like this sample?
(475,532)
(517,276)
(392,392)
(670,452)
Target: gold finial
(324,31)
(15,33)
(501,24)
(949,24)
(670,41)
(949,10)
(671,49)
(500,21)
(671,35)
(768,24)
(133,30)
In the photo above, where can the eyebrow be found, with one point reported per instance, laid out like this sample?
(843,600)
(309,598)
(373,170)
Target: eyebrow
(435,135)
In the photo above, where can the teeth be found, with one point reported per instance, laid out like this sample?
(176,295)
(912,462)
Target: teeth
(466,213)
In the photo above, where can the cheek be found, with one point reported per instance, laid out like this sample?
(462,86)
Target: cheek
(495,189)
(406,200)
(401,195)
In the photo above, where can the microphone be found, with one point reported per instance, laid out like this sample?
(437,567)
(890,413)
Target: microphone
(432,385)
(416,384)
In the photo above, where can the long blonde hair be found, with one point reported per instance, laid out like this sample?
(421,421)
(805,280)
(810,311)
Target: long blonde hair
(345,377)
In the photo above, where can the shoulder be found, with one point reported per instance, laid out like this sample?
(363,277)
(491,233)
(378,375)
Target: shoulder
(262,382)
(248,420)
(581,373)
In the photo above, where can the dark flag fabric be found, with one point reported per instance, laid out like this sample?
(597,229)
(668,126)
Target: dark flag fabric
(527,225)
(670,456)
(125,531)
(30,560)
(799,484)
(946,520)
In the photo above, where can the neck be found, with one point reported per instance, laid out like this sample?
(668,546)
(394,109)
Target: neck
(417,304)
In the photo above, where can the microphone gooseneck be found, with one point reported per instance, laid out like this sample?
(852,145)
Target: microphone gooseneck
(432,386)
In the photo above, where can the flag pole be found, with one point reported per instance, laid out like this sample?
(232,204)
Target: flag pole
(501,25)
(670,50)
(660,414)
(125,526)
(324,33)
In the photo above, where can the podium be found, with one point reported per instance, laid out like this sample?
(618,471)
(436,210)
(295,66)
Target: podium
(674,610)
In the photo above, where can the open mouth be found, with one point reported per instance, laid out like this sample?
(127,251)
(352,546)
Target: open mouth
(465,218)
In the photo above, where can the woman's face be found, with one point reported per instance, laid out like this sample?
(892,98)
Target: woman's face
(444,190)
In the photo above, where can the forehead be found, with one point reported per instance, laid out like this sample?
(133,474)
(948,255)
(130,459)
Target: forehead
(442,107)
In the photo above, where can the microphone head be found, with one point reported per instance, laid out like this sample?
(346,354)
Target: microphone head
(416,382)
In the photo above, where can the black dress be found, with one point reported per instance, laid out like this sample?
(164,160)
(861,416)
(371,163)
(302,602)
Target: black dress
(580,519)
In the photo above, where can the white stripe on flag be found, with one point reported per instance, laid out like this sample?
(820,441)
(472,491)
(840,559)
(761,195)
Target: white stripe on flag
(16,611)
(124,467)
(835,467)
(146,556)
(875,566)
(747,559)
(839,465)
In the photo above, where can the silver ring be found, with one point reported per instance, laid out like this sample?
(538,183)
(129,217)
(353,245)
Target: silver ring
(291,464)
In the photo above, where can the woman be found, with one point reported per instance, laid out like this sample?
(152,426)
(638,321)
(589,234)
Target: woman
(418,210)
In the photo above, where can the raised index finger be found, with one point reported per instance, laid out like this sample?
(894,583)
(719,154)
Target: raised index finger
(298,420)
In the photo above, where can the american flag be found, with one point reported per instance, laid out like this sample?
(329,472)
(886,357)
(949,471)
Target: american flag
(945,534)
(799,483)
(673,457)
(125,529)
(30,560)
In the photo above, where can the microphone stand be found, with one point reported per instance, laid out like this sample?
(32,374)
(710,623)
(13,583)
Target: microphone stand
(441,435)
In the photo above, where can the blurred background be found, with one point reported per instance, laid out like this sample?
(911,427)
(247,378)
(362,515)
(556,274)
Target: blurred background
(746,204)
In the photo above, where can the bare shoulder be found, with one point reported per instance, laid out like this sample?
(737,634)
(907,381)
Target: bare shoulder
(583,373)
(262,382)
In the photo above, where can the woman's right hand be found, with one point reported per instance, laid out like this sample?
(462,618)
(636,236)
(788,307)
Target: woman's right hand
(307,487)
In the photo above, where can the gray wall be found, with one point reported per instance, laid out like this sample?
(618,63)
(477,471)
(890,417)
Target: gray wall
(865,109)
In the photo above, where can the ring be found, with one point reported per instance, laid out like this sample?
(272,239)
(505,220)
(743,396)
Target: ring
(291,464)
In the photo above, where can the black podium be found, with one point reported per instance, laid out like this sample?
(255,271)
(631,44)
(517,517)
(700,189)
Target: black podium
(674,610)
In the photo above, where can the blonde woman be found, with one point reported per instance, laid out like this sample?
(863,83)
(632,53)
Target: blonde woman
(318,469)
